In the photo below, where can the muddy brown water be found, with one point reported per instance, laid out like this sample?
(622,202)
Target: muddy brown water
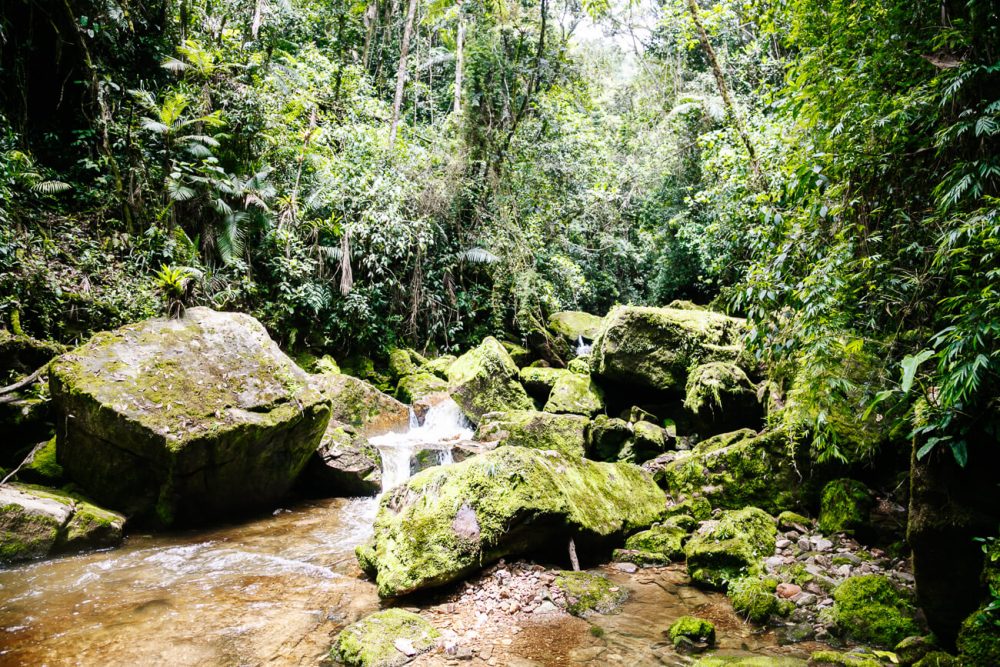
(275,590)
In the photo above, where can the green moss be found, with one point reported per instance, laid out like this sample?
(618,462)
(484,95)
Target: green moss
(539,380)
(720,391)
(692,628)
(418,385)
(439,366)
(43,467)
(446,522)
(939,659)
(520,355)
(648,441)
(537,430)
(871,609)
(485,379)
(788,520)
(326,364)
(589,591)
(363,407)
(606,436)
(741,469)
(575,394)
(371,641)
(845,506)
(913,648)
(754,599)
(753,661)
(572,324)
(661,543)
(699,508)
(402,363)
(838,659)
(979,639)
(579,365)
(732,548)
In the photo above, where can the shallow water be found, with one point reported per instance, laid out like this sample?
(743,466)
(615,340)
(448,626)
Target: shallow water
(269,591)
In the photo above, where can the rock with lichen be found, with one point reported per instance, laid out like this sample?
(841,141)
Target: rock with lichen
(648,441)
(539,380)
(653,348)
(184,420)
(586,592)
(754,598)
(537,430)
(361,406)
(575,394)
(845,506)
(720,397)
(411,388)
(36,522)
(345,465)
(873,610)
(485,379)
(387,638)
(574,324)
(692,629)
(659,545)
(447,522)
(730,548)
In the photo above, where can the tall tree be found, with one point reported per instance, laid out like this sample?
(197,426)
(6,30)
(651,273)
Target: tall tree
(459,58)
(404,51)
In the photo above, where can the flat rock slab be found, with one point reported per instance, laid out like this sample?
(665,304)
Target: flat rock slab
(185,420)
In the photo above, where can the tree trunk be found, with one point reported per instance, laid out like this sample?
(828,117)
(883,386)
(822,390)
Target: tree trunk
(727,98)
(459,58)
(257,18)
(401,70)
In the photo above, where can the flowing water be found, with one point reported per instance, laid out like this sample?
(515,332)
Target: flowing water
(583,348)
(276,589)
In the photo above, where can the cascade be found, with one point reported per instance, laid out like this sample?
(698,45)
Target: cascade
(583,348)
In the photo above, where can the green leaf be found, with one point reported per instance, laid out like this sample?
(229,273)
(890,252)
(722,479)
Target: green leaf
(910,364)
(960,452)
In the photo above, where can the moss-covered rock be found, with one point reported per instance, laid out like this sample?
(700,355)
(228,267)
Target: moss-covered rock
(913,648)
(742,468)
(589,591)
(845,506)
(573,325)
(871,609)
(439,365)
(579,365)
(575,394)
(24,422)
(941,659)
(375,640)
(185,419)
(789,520)
(361,406)
(721,397)
(838,659)
(979,639)
(653,348)
(749,661)
(344,465)
(537,430)
(731,548)
(36,522)
(659,545)
(21,355)
(401,363)
(648,441)
(753,598)
(485,379)
(606,437)
(692,628)
(698,508)
(42,467)
(519,354)
(412,388)
(363,368)
(539,380)
(445,523)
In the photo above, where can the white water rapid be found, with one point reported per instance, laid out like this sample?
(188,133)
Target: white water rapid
(582,348)
(443,426)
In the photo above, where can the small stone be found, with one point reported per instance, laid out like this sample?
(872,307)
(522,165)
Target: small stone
(786,590)
(628,568)
(822,544)
(405,646)
(783,544)
(804,544)
(546,607)
(804,599)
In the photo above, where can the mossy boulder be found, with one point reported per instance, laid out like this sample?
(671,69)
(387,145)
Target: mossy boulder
(730,548)
(574,324)
(941,659)
(21,355)
(519,354)
(23,422)
(742,468)
(361,406)
(692,629)
(648,441)
(448,522)
(485,379)
(579,365)
(789,520)
(871,609)
(589,591)
(184,420)
(439,365)
(979,639)
(753,598)
(575,394)
(412,388)
(698,508)
(363,368)
(749,661)
(829,658)
(653,348)
(658,545)
(913,648)
(539,380)
(845,506)
(537,430)
(344,465)
(606,437)
(404,361)
(42,466)
(377,640)
(36,522)
(720,397)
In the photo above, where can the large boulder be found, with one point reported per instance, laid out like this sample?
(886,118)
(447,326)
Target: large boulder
(537,430)
(845,506)
(653,348)
(445,523)
(412,388)
(721,397)
(36,522)
(574,324)
(575,394)
(345,465)
(360,405)
(731,547)
(485,379)
(539,380)
(871,609)
(387,638)
(742,468)
(184,420)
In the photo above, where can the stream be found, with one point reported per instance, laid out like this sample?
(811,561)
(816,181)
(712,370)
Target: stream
(274,590)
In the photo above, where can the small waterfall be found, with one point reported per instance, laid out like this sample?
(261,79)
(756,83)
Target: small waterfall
(444,425)
(582,348)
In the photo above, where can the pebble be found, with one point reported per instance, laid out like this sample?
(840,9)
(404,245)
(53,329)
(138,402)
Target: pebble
(628,568)
(786,590)
(822,544)
(783,543)
(804,599)
(546,608)
(804,544)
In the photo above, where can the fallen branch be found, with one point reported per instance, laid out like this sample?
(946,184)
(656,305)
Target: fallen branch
(574,561)
(21,384)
